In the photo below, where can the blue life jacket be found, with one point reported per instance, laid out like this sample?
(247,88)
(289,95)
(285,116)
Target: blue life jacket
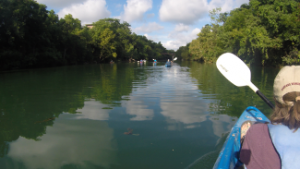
(287,144)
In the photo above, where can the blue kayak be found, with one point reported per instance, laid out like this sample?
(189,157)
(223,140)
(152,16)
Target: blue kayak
(229,155)
(168,65)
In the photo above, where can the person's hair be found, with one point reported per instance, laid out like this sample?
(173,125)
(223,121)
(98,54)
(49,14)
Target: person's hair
(287,114)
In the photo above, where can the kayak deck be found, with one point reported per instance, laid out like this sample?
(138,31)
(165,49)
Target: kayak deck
(229,154)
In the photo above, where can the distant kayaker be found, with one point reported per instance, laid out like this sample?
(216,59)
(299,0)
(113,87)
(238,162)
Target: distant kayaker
(168,63)
(276,145)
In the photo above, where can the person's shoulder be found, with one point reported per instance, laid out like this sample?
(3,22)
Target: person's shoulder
(259,126)
(258,129)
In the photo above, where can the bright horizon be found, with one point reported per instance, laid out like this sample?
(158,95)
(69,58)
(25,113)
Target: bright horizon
(174,23)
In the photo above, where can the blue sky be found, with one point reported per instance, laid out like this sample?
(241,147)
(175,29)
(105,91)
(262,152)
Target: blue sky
(174,23)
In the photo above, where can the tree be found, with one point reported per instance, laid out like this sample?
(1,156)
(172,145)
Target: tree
(32,36)
(263,32)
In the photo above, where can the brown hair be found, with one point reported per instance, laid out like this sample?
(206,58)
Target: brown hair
(287,114)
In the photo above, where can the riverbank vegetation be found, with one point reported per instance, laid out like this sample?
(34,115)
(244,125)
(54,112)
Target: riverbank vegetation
(32,36)
(264,32)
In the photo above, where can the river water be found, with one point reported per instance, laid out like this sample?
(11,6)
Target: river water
(121,116)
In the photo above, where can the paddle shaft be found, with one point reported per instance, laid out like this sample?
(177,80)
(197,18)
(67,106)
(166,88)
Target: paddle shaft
(256,90)
(265,99)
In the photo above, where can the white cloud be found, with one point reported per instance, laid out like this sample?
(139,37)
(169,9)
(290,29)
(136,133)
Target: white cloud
(59,3)
(88,12)
(173,44)
(226,5)
(181,27)
(151,15)
(154,38)
(150,27)
(135,9)
(189,12)
(195,32)
(182,11)
(180,38)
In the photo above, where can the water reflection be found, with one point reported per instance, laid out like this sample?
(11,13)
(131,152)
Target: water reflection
(222,124)
(93,110)
(177,114)
(69,142)
(138,110)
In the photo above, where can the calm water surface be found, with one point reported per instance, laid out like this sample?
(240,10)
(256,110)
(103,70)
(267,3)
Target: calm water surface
(76,116)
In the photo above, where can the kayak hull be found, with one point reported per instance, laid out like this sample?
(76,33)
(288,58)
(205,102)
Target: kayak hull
(229,155)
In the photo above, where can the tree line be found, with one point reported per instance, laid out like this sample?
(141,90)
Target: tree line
(32,36)
(264,32)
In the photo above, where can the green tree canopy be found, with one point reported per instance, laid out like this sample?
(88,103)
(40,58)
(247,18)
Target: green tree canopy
(261,32)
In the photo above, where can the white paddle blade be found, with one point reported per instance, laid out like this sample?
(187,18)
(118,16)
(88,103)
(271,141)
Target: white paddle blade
(234,69)
(175,58)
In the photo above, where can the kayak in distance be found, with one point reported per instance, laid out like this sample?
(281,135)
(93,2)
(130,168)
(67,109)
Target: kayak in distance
(168,65)
(229,154)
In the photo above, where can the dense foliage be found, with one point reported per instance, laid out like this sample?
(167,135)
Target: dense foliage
(264,32)
(31,36)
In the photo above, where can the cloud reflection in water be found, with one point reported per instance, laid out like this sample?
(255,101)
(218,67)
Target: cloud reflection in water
(82,143)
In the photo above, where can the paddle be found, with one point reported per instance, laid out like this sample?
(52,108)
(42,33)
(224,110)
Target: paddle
(238,73)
